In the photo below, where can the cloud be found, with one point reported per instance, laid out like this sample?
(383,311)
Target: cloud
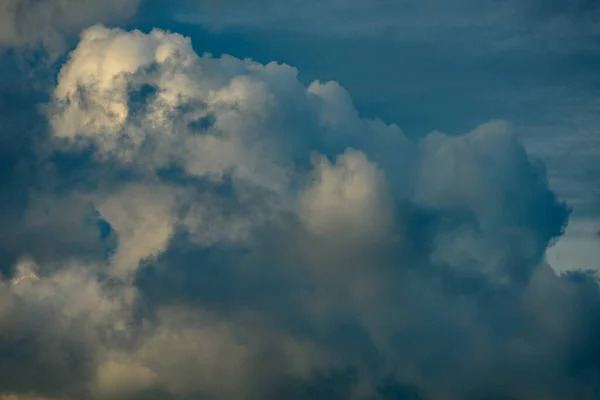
(564,25)
(258,239)
(29,23)
(352,17)
(17,397)
(349,197)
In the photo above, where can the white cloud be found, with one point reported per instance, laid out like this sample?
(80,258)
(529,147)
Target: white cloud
(348,198)
(144,220)
(94,91)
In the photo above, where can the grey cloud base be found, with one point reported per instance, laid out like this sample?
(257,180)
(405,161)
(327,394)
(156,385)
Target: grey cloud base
(238,235)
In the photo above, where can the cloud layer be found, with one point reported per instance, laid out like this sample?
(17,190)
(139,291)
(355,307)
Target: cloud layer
(234,234)
(504,24)
(29,23)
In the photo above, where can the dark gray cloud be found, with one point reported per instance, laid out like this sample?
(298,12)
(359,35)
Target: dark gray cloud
(290,249)
(32,225)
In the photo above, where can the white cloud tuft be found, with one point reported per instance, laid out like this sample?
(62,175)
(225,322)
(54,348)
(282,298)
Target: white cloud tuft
(348,198)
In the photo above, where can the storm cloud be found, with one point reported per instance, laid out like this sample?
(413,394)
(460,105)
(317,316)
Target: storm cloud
(235,234)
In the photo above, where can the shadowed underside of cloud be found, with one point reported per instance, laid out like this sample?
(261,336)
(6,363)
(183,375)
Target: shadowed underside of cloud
(226,232)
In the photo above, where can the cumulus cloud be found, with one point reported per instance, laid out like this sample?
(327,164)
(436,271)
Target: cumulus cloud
(256,238)
(348,197)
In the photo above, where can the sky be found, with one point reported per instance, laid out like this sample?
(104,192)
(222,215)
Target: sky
(248,200)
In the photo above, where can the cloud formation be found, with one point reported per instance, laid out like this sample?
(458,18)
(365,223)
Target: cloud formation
(249,237)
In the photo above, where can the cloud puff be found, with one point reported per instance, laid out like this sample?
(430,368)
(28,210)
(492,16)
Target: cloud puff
(349,197)
(261,240)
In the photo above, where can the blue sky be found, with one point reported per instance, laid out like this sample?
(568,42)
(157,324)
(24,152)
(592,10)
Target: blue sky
(299,199)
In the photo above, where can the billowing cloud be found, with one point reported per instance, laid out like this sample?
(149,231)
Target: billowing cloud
(255,238)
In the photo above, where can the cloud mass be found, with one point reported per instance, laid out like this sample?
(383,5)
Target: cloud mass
(244,236)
